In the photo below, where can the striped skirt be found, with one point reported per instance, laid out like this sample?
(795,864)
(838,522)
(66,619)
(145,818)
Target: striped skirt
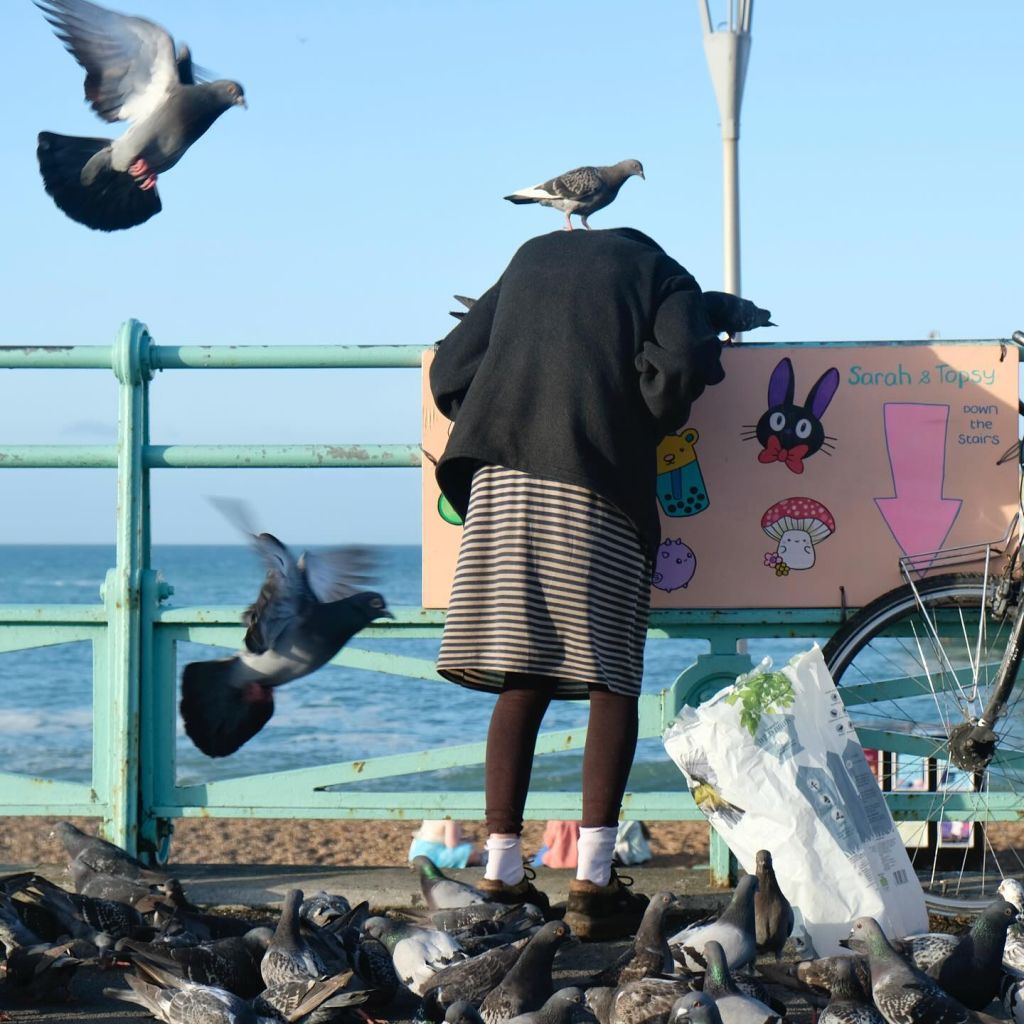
(551,580)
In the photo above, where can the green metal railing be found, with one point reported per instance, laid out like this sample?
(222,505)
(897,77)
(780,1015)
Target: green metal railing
(133,785)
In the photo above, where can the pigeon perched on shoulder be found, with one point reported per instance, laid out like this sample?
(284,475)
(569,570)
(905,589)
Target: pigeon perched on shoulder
(773,914)
(306,611)
(734,930)
(583,190)
(133,74)
(729,314)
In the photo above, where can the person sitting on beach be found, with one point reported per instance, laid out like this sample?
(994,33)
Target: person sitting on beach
(560,381)
(444,843)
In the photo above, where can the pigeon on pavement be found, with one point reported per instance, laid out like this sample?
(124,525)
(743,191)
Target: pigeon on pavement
(972,973)
(582,191)
(695,1008)
(734,1005)
(648,1001)
(442,892)
(773,915)
(734,930)
(849,1004)
(306,611)
(232,963)
(902,993)
(527,986)
(1012,891)
(289,957)
(133,74)
(649,955)
(557,1009)
(92,854)
(468,980)
(418,953)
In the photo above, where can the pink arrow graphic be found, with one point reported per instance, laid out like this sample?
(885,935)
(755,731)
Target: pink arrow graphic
(919,517)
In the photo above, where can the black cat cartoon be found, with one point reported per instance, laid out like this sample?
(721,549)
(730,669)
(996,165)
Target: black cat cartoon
(790,433)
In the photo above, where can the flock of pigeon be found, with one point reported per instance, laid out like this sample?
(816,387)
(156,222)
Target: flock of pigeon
(469,960)
(137,74)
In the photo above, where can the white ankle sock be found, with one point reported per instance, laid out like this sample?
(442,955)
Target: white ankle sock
(594,851)
(504,859)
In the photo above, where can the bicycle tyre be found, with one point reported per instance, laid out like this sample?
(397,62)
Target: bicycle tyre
(904,632)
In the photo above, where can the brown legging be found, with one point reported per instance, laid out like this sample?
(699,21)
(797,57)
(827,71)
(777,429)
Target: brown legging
(607,756)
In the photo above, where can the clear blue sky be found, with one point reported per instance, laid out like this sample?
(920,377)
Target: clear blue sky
(881,178)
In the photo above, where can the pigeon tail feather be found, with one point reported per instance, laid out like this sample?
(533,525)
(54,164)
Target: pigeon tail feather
(111,201)
(217,711)
(519,197)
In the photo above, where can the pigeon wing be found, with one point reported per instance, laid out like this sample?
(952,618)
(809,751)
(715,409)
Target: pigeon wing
(129,62)
(338,573)
(580,184)
(282,598)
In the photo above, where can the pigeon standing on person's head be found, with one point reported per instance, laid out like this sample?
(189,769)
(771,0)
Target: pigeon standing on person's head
(306,611)
(133,74)
(582,191)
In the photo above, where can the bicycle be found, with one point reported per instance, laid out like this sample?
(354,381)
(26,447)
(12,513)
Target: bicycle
(931,672)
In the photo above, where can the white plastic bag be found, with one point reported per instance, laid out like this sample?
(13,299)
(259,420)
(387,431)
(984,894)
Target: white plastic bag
(775,764)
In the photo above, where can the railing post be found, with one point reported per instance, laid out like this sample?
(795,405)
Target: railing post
(126,668)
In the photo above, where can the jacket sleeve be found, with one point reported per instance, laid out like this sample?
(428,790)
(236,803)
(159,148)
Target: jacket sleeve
(682,358)
(458,355)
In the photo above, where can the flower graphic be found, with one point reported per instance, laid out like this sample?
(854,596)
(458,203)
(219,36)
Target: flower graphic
(772,559)
(782,569)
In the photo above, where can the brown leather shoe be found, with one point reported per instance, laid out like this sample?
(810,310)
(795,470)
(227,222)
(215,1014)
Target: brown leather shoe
(596,913)
(523,891)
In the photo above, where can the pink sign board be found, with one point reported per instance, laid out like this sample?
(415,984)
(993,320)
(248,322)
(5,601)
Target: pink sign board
(810,468)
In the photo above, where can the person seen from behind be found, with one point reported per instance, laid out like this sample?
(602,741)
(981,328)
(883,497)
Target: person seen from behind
(560,382)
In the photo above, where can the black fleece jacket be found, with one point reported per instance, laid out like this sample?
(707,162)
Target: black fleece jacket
(589,349)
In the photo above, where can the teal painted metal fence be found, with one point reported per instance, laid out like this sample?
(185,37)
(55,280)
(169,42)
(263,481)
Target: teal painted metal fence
(133,635)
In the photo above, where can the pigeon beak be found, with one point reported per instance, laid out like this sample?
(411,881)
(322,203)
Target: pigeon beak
(642,175)
(385,614)
(845,943)
(240,102)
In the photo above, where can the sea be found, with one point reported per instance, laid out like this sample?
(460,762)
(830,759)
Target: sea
(335,715)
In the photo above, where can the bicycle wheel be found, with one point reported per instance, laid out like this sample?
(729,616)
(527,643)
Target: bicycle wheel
(913,665)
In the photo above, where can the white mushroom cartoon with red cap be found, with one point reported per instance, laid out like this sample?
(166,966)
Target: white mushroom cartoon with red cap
(798,525)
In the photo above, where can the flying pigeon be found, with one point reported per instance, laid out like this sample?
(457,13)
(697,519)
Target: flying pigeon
(133,74)
(773,915)
(306,611)
(583,190)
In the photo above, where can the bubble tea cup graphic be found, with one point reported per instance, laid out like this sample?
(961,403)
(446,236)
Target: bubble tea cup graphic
(681,490)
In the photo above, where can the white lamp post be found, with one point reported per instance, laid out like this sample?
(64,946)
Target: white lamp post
(727,50)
